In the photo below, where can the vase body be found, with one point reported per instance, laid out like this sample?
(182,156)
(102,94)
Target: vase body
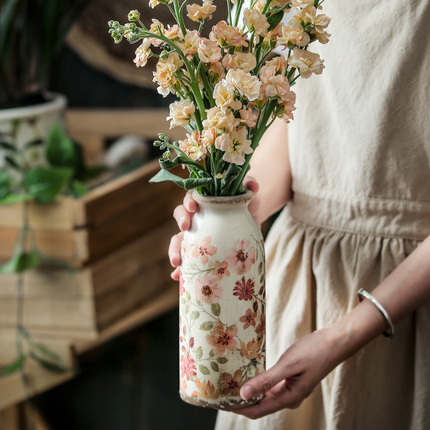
(22,125)
(222,303)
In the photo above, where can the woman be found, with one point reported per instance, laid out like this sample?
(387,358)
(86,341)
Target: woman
(356,177)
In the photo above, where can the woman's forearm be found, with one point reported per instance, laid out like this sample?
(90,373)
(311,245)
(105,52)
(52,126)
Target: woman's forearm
(402,292)
(270,166)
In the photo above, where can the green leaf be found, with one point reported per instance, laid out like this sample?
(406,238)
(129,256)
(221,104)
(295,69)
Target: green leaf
(211,353)
(79,188)
(214,366)
(187,295)
(230,175)
(275,19)
(46,351)
(14,366)
(4,185)
(183,301)
(21,262)
(188,184)
(216,309)
(50,365)
(199,353)
(15,198)
(60,150)
(221,360)
(262,278)
(44,183)
(187,308)
(194,315)
(260,268)
(207,325)
(204,370)
(8,146)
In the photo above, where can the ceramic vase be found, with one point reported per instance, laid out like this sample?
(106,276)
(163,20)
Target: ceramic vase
(222,303)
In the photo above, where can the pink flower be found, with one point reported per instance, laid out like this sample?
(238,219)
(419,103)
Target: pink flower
(248,319)
(220,270)
(222,339)
(241,257)
(204,250)
(187,367)
(244,290)
(207,291)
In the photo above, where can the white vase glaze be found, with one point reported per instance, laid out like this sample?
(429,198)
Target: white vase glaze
(222,288)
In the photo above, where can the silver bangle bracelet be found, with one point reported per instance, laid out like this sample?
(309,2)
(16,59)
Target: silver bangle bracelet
(363,293)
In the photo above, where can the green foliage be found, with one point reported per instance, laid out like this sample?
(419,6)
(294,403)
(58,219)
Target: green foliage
(60,150)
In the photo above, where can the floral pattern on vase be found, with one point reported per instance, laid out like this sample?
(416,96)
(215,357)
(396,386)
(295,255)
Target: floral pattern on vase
(222,303)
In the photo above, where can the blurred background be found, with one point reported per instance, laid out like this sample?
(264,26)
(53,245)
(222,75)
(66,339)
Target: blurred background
(96,348)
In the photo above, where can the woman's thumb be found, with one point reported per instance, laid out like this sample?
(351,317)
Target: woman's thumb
(262,383)
(250,183)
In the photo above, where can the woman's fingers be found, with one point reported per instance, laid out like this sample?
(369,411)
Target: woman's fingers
(175,250)
(184,213)
(250,183)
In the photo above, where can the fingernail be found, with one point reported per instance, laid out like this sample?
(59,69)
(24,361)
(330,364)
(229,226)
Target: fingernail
(181,222)
(247,392)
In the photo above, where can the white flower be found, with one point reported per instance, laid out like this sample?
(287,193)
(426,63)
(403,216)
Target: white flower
(235,145)
(256,21)
(307,62)
(224,97)
(143,53)
(245,83)
(239,60)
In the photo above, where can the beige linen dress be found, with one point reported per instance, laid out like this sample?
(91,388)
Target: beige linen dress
(360,158)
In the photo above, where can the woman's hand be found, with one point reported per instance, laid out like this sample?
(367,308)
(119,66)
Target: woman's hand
(183,215)
(294,376)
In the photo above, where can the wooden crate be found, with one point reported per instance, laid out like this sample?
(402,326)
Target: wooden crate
(83,304)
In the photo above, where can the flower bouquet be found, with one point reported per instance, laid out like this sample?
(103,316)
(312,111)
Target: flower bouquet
(231,88)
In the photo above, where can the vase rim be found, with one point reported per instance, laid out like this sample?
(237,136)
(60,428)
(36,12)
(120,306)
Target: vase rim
(58,101)
(239,199)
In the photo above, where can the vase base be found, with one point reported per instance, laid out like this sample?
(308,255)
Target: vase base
(227,405)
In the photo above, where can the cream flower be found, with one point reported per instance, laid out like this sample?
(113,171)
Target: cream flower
(236,146)
(239,60)
(307,62)
(143,53)
(245,83)
(180,113)
(217,71)
(208,51)
(164,73)
(295,36)
(201,13)
(275,85)
(256,21)
(248,117)
(192,146)
(155,28)
(280,64)
(321,22)
(190,44)
(221,121)
(307,17)
(154,3)
(224,97)
(226,35)
(208,137)
(288,107)
(173,32)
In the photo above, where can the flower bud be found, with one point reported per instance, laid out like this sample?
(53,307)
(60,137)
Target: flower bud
(133,15)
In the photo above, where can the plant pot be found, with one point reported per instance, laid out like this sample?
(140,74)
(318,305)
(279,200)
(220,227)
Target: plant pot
(222,304)
(30,124)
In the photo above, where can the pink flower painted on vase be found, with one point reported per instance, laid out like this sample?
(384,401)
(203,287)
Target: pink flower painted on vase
(181,285)
(261,328)
(207,291)
(221,270)
(248,319)
(188,367)
(241,257)
(231,384)
(244,289)
(204,250)
(221,339)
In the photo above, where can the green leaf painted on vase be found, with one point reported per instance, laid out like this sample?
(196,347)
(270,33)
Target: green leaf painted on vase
(187,308)
(260,268)
(8,146)
(199,353)
(211,353)
(207,325)
(4,185)
(204,370)
(183,301)
(214,366)
(12,162)
(216,309)
(221,360)
(194,315)
(187,295)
